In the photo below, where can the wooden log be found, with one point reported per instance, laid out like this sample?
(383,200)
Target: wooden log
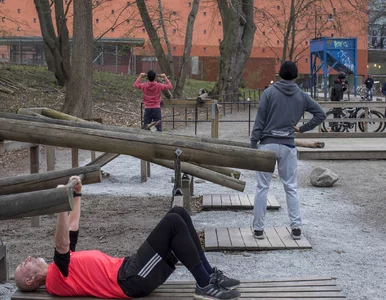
(48,180)
(137,144)
(205,174)
(222,170)
(309,144)
(37,203)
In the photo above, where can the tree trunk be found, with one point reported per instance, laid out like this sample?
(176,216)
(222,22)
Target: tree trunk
(180,82)
(169,56)
(293,31)
(78,100)
(56,48)
(235,48)
(154,39)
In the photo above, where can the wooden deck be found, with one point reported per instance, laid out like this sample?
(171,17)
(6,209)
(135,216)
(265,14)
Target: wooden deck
(286,289)
(241,239)
(235,201)
(346,148)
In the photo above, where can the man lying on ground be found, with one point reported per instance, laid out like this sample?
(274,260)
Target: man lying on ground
(93,273)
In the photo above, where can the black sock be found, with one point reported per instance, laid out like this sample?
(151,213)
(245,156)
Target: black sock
(205,263)
(201,275)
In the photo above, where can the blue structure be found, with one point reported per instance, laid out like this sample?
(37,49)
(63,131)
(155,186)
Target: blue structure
(327,54)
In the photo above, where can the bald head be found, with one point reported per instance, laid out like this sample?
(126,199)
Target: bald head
(31,274)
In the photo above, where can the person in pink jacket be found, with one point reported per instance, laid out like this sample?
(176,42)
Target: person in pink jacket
(152,96)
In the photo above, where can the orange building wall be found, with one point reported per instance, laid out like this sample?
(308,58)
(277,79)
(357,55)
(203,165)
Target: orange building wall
(207,29)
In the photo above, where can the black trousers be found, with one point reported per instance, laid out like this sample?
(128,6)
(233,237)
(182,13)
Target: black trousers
(173,237)
(152,114)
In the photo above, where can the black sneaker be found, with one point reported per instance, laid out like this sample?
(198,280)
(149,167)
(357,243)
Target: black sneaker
(215,291)
(258,234)
(296,234)
(225,281)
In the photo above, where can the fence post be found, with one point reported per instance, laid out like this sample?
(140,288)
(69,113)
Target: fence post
(34,168)
(4,262)
(185,187)
(143,170)
(215,120)
(75,157)
(50,157)
(178,195)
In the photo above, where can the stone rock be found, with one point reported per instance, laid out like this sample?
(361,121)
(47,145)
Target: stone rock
(323,177)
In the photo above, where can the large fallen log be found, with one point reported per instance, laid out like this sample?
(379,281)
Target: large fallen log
(36,203)
(68,120)
(48,180)
(137,145)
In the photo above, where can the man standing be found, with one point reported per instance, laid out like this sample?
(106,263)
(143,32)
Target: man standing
(280,109)
(152,96)
(369,87)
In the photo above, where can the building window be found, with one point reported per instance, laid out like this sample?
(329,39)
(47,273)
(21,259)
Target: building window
(278,7)
(143,30)
(112,11)
(332,35)
(263,50)
(3,19)
(174,30)
(18,28)
(190,4)
(204,49)
(204,13)
(34,20)
(306,43)
(204,31)
(219,40)
(278,42)
(2,1)
(174,12)
(97,20)
(128,21)
(264,15)
(174,48)
(112,29)
(18,11)
(306,59)
(278,24)
(219,22)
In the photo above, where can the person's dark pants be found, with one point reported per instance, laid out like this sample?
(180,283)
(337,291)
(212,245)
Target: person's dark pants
(173,237)
(152,115)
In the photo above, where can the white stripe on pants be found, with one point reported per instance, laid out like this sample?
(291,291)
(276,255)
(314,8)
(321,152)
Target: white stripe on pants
(287,165)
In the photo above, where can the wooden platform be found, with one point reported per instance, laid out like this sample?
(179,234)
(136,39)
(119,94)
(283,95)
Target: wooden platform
(232,201)
(346,148)
(293,288)
(241,239)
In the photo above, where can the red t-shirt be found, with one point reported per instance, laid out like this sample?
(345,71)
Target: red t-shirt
(90,273)
(152,91)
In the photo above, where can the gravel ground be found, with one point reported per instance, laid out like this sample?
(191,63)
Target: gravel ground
(345,224)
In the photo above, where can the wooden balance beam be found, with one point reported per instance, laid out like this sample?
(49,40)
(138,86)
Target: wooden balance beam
(48,180)
(292,288)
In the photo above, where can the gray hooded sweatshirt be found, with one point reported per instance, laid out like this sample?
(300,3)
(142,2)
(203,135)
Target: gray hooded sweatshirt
(281,107)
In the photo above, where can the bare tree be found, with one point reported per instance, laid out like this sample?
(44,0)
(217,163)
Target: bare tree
(56,45)
(78,100)
(236,46)
(180,82)
(289,25)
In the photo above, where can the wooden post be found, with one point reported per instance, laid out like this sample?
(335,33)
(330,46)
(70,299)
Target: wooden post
(148,169)
(215,120)
(185,187)
(143,170)
(93,156)
(34,168)
(366,117)
(75,157)
(4,262)
(191,186)
(50,157)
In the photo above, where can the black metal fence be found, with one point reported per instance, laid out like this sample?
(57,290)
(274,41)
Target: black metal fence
(229,104)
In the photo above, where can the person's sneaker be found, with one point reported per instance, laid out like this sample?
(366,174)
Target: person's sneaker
(225,281)
(296,234)
(258,234)
(215,291)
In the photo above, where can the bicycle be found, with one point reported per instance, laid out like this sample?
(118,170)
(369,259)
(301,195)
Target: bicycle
(353,113)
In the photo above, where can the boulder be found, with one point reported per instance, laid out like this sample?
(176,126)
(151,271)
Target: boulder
(323,177)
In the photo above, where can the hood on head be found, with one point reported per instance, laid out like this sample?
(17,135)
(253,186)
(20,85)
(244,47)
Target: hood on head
(287,87)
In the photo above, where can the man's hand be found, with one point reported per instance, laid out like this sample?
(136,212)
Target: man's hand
(142,75)
(296,129)
(78,187)
(163,76)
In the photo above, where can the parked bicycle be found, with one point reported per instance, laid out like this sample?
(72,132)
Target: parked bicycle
(348,113)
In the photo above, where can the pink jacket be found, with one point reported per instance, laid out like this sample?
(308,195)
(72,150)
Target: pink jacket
(152,91)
